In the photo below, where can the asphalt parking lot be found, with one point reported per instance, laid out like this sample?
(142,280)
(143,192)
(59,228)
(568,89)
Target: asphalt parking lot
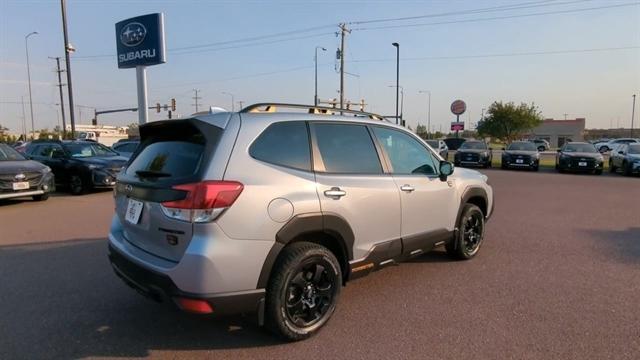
(557,277)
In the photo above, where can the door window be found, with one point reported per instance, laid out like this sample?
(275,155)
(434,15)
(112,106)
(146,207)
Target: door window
(347,149)
(406,154)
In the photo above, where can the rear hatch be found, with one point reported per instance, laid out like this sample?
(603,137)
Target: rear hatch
(171,154)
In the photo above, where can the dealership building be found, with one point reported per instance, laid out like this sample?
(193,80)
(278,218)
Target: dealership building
(558,132)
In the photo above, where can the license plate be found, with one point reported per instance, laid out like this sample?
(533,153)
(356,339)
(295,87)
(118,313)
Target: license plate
(582,163)
(134,210)
(519,161)
(24,185)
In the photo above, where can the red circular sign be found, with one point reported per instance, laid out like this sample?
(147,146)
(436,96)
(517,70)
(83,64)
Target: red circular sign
(458,107)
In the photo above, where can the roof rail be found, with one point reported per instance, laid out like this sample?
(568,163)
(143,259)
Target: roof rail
(311,109)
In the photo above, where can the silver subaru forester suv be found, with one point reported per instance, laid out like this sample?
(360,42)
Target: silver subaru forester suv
(270,212)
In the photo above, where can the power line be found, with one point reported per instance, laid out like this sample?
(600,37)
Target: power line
(498,17)
(204,47)
(476,56)
(527,5)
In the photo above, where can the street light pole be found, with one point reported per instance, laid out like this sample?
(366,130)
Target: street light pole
(233,108)
(397,46)
(633,113)
(68,49)
(428,92)
(315,59)
(26,47)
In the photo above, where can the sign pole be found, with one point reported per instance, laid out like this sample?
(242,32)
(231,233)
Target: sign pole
(141,80)
(457,120)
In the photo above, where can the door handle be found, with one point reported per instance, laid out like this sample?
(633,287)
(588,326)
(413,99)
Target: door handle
(335,192)
(407,188)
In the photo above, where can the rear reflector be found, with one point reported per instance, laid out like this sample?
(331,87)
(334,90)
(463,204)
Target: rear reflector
(204,201)
(194,306)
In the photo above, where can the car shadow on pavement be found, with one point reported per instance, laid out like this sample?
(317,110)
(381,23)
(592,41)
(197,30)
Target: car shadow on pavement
(624,244)
(62,300)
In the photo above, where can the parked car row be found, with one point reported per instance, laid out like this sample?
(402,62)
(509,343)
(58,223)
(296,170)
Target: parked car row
(20,177)
(574,157)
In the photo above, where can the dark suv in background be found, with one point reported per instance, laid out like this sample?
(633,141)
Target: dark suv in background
(579,157)
(521,154)
(473,153)
(625,157)
(78,165)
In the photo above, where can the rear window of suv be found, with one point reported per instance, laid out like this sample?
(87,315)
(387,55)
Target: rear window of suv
(172,150)
(284,144)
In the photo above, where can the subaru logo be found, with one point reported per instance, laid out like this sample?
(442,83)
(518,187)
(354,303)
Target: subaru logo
(128,188)
(20,177)
(132,34)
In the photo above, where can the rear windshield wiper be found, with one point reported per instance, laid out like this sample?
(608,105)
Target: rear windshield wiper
(152,174)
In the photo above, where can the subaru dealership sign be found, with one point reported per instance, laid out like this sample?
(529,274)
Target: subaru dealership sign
(140,41)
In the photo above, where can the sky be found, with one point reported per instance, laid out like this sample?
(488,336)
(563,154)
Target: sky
(572,58)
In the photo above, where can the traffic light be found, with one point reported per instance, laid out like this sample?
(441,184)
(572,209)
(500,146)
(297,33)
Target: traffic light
(173,104)
(157,107)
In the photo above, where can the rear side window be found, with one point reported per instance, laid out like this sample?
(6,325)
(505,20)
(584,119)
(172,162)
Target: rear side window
(170,151)
(284,144)
(347,149)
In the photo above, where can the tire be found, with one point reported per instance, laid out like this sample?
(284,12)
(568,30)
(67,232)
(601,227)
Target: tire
(612,168)
(42,197)
(303,291)
(77,186)
(626,169)
(598,172)
(503,166)
(536,168)
(462,247)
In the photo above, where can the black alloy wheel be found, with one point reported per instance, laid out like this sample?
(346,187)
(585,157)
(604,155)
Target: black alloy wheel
(76,185)
(310,292)
(470,234)
(303,291)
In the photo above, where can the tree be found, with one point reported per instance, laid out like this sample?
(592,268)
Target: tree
(508,122)
(421,131)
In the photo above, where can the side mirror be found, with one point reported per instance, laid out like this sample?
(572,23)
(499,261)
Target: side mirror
(446,169)
(621,152)
(503,149)
(558,150)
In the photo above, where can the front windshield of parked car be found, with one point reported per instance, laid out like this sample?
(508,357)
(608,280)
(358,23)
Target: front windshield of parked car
(634,149)
(79,150)
(585,148)
(433,143)
(522,146)
(475,145)
(8,154)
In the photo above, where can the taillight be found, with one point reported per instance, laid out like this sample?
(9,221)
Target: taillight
(204,201)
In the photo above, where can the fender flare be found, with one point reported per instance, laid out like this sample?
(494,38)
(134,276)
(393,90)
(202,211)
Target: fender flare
(329,223)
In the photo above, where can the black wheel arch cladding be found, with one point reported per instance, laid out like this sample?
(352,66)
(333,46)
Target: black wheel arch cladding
(327,224)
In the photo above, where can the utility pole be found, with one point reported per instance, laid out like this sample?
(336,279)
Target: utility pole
(240,103)
(26,47)
(68,49)
(315,60)
(59,71)
(397,46)
(633,113)
(343,33)
(196,98)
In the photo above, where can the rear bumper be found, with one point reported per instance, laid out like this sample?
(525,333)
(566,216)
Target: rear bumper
(160,287)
